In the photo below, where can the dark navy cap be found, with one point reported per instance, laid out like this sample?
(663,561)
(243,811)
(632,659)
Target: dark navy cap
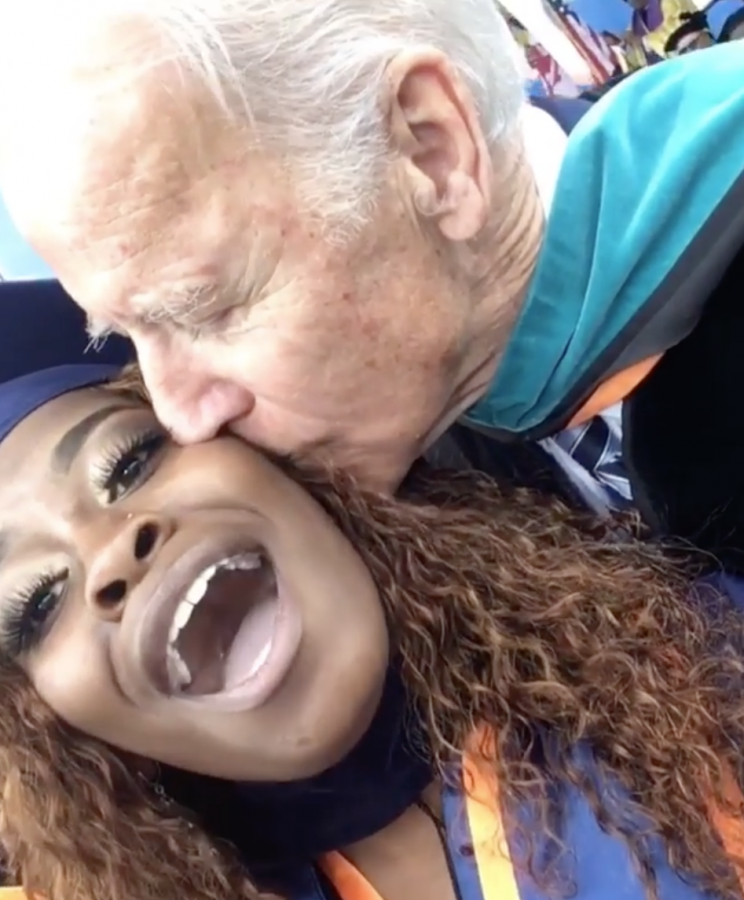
(45,351)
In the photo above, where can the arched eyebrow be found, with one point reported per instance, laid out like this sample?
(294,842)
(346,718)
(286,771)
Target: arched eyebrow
(72,442)
(66,451)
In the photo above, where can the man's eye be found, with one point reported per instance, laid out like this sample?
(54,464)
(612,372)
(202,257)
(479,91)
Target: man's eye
(212,323)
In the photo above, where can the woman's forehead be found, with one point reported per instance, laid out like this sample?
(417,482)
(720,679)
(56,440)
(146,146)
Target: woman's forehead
(44,430)
(36,458)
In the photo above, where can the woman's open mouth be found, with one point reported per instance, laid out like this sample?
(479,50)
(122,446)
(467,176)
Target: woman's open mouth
(228,633)
(233,602)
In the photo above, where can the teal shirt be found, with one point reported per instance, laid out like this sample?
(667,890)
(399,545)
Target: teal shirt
(643,172)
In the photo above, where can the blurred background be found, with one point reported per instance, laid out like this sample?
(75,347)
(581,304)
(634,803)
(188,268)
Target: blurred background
(572,46)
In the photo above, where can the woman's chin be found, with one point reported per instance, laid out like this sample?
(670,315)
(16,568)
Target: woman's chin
(335,739)
(295,748)
(332,703)
(328,742)
(347,738)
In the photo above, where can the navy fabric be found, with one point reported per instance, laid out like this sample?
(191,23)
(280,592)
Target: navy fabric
(45,351)
(40,327)
(373,786)
(567,112)
(22,396)
(731,586)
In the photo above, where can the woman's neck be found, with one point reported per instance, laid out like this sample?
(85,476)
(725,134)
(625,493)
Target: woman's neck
(279,824)
(408,858)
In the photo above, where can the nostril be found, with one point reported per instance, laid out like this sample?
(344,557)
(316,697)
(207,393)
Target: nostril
(145,541)
(114,592)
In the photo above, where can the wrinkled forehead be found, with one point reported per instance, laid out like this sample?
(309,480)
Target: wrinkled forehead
(118,132)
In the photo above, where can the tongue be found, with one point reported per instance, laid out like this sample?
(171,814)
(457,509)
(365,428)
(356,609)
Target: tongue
(252,644)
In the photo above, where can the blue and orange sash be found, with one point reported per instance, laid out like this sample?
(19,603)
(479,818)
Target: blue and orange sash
(481,855)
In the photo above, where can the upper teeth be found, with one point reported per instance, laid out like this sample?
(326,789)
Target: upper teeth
(178,672)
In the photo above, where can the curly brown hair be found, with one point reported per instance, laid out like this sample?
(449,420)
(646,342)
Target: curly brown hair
(506,609)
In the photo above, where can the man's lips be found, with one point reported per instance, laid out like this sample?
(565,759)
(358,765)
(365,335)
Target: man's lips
(215,630)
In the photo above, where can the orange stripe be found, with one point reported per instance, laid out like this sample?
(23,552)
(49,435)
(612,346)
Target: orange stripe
(615,389)
(497,878)
(490,847)
(731,828)
(12,893)
(349,882)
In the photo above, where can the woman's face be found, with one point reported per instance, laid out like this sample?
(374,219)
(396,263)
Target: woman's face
(192,605)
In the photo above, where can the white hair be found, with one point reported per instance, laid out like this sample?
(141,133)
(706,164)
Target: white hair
(309,73)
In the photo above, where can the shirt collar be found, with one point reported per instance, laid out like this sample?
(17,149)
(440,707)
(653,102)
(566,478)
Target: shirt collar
(545,144)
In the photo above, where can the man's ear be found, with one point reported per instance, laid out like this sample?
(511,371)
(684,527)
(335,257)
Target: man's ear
(441,148)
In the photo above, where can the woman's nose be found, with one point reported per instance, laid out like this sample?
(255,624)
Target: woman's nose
(122,559)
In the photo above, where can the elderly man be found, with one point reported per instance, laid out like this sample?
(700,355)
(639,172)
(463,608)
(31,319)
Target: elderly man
(323,226)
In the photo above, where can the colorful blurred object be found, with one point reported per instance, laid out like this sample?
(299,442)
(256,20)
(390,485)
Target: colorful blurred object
(572,46)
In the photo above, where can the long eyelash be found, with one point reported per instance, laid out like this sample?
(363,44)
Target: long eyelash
(106,466)
(16,634)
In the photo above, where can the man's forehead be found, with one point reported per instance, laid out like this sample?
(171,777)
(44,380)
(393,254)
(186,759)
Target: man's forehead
(115,207)
(128,142)
(138,158)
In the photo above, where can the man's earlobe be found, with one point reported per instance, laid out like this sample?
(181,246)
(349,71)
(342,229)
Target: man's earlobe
(441,148)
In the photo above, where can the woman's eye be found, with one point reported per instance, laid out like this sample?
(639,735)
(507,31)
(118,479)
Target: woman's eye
(132,468)
(42,603)
(129,474)
(27,615)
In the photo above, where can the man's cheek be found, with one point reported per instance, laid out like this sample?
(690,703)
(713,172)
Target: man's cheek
(263,364)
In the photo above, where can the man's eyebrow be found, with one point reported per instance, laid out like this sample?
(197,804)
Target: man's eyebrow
(72,442)
(98,331)
(182,305)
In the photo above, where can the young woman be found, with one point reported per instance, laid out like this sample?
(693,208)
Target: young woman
(225,677)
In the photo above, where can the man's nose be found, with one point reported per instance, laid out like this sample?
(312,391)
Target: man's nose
(198,413)
(190,400)
(124,554)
